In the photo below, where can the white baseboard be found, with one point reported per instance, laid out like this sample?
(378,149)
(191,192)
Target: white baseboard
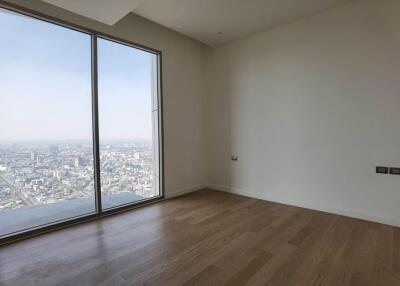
(338,211)
(185,191)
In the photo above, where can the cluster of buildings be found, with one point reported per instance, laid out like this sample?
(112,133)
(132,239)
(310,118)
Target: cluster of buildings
(32,174)
(127,167)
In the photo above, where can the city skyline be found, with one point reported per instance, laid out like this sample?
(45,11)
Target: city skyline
(88,140)
(46,134)
(47,173)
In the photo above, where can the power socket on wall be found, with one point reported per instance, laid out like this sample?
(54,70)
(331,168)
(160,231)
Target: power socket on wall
(387,170)
(382,170)
(234,158)
(394,171)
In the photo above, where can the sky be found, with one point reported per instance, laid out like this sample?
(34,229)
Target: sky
(45,84)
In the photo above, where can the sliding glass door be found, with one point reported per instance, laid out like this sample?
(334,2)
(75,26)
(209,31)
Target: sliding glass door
(70,98)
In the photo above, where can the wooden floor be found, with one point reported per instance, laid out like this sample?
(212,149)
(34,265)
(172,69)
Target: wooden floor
(209,238)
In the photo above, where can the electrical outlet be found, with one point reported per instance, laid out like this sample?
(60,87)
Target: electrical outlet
(234,158)
(382,170)
(395,171)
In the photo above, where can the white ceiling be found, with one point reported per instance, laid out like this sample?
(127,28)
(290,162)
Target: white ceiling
(212,22)
(105,11)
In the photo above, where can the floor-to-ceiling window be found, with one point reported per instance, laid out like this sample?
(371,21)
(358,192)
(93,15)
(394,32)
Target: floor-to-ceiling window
(126,98)
(79,123)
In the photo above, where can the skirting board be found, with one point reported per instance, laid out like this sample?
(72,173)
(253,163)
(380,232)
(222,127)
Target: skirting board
(185,191)
(266,197)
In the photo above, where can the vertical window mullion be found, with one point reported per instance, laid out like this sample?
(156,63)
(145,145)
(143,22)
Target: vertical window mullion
(160,138)
(95,119)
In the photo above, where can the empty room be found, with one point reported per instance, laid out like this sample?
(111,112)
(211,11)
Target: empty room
(199,142)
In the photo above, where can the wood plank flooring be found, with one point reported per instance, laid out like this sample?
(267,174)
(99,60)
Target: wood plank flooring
(209,238)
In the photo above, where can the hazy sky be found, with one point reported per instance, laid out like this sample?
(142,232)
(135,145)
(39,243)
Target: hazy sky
(45,84)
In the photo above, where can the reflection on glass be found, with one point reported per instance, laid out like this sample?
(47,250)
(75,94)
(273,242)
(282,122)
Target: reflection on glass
(127,124)
(46,158)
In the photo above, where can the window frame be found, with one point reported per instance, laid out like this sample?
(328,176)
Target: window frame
(100,212)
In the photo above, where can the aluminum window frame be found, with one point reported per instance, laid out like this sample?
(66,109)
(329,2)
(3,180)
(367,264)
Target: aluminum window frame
(100,212)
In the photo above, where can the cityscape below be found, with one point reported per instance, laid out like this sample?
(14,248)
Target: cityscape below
(45,173)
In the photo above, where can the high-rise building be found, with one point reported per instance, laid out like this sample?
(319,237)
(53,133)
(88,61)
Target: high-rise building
(39,159)
(79,161)
(33,156)
(54,149)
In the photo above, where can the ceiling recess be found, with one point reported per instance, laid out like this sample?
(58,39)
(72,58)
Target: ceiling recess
(200,19)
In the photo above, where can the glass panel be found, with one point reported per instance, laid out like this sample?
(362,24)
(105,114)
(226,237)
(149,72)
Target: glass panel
(127,129)
(46,157)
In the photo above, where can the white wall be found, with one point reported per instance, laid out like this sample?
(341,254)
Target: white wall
(183,82)
(311,108)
